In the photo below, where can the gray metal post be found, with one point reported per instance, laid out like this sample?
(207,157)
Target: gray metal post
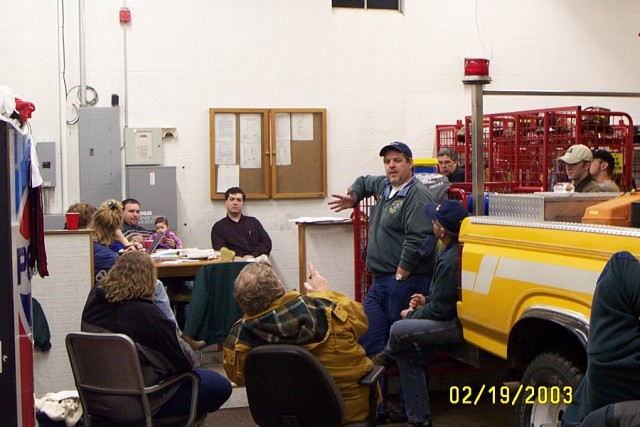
(477,77)
(477,149)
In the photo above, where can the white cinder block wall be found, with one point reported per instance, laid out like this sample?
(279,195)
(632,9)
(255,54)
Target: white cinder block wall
(381,76)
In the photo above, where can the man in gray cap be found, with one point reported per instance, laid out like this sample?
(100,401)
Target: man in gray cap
(400,249)
(578,160)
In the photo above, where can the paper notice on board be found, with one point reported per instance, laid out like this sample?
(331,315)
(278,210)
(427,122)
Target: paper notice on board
(302,126)
(283,139)
(228,176)
(250,141)
(225,138)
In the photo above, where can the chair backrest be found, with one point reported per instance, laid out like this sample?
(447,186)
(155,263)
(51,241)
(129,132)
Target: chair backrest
(108,375)
(287,386)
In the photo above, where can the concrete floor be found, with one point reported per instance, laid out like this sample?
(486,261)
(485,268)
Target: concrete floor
(486,413)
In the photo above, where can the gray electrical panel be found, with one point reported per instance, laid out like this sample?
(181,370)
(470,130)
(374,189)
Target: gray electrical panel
(156,189)
(143,146)
(99,137)
(46,151)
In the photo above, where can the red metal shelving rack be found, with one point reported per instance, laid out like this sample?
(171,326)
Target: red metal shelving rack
(521,148)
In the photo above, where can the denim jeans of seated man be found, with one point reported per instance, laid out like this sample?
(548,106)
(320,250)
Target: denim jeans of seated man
(386,298)
(413,342)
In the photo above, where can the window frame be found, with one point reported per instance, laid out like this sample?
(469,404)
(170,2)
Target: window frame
(365,5)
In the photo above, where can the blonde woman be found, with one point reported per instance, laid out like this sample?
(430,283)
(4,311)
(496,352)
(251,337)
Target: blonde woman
(123,302)
(108,244)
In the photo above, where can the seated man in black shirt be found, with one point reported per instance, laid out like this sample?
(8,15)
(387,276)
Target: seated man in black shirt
(240,233)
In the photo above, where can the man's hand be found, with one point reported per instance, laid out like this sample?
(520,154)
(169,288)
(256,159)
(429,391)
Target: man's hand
(417,301)
(342,202)
(137,238)
(402,274)
(403,313)
(316,283)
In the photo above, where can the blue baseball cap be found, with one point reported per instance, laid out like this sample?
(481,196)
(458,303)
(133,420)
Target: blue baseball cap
(398,146)
(449,214)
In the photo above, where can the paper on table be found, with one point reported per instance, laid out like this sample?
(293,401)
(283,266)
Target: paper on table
(178,261)
(320,219)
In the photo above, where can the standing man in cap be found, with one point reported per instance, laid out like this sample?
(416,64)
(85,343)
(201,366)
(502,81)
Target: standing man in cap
(400,249)
(601,171)
(578,160)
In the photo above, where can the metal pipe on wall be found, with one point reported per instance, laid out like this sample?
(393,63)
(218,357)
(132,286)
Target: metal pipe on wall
(64,168)
(83,54)
(125,78)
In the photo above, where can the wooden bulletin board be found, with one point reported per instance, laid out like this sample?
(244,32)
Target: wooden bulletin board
(293,152)
(235,135)
(304,172)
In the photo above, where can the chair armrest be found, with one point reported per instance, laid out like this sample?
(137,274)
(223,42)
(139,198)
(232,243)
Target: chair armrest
(172,380)
(195,385)
(372,377)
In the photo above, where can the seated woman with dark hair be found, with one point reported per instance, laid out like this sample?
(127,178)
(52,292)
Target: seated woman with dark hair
(122,302)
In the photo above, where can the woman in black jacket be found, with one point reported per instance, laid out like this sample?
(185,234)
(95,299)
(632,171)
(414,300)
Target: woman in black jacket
(122,302)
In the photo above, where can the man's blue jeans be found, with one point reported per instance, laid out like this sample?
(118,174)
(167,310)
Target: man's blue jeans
(386,298)
(412,343)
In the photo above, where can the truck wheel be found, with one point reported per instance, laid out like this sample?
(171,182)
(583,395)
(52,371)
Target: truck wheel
(548,386)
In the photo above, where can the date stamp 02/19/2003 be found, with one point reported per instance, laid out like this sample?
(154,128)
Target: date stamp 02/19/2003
(505,395)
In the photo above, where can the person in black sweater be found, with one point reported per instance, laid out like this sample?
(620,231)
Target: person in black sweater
(122,302)
(238,232)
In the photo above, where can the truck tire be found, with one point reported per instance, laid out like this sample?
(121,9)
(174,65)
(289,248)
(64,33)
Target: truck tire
(554,373)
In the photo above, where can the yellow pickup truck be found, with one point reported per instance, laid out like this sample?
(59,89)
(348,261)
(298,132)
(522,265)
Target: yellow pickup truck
(526,291)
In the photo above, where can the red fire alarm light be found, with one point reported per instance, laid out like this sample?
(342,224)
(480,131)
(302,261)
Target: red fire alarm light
(476,70)
(476,67)
(125,14)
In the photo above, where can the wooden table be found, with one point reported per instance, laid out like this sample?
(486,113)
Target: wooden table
(185,270)
(174,275)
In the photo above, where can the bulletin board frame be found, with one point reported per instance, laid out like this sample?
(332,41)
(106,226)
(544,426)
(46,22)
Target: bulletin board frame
(227,143)
(292,162)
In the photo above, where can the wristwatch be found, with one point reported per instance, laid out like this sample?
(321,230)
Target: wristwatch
(398,277)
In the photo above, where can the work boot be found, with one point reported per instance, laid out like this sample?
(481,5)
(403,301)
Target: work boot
(383,359)
(194,344)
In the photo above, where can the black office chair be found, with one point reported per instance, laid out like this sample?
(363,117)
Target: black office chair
(109,379)
(288,387)
(621,414)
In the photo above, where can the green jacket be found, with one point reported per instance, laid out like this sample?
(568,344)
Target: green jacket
(398,226)
(443,292)
(213,309)
(613,349)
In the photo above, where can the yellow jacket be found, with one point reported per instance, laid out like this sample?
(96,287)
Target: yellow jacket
(338,324)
